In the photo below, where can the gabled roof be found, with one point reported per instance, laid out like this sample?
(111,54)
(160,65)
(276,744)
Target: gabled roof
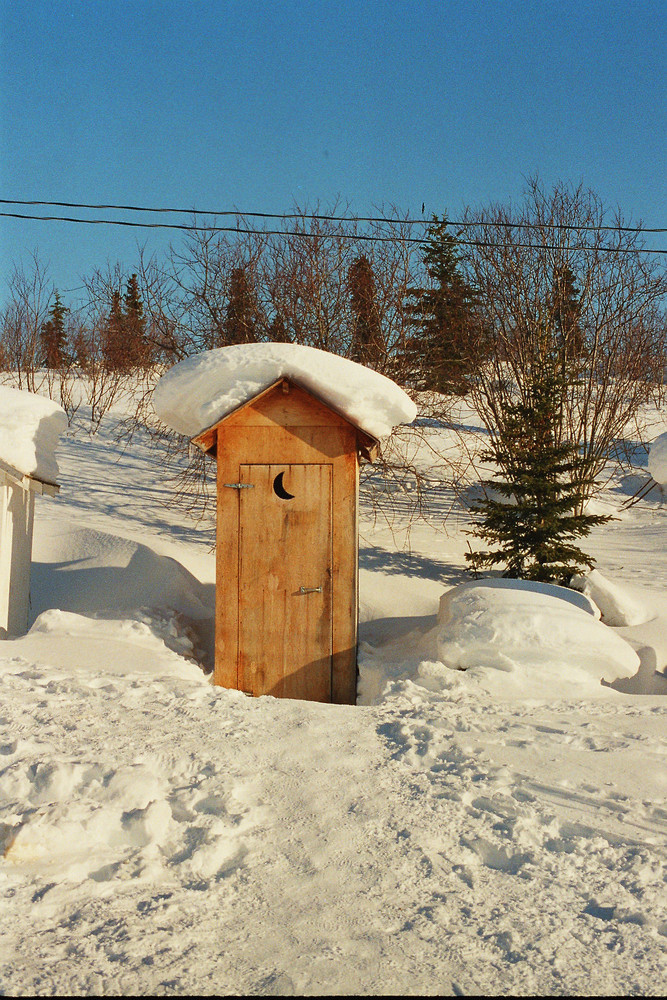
(207,439)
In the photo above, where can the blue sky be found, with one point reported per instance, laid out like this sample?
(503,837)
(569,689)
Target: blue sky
(256,105)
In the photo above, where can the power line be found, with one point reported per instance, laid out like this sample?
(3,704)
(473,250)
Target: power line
(202,228)
(359,237)
(330,218)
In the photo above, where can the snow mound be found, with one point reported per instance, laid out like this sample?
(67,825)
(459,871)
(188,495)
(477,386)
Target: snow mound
(619,608)
(87,571)
(142,644)
(523,627)
(30,427)
(657,459)
(198,392)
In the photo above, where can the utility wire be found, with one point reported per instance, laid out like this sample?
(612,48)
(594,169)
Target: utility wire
(331,218)
(303,233)
(195,228)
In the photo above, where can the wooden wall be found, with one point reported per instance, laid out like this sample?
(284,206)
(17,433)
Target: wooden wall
(286,429)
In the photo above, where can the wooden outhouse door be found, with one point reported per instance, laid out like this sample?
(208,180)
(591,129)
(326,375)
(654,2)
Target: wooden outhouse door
(285,580)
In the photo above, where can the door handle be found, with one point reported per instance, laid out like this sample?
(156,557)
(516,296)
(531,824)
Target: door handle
(310,590)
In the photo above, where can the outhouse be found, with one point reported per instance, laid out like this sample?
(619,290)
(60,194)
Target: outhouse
(29,429)
(287,456)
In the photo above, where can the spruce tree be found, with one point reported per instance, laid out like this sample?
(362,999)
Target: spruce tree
(124,343)
(566,308)
(134,323)
(536,522)
(441,351)
(53,334)
(242,318)
(114,342)
(277,331)
(366,341)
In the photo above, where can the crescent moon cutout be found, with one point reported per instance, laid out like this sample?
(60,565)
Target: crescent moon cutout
(279,489)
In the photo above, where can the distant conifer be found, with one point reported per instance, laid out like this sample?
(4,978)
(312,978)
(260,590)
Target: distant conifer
(441,350)
(242,319)
(277,332)
(566,307)
(53,334)
(366,341)
(114,348)
(124,343)
(134,324)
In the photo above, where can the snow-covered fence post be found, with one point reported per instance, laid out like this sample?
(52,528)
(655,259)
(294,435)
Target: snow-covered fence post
(30,426)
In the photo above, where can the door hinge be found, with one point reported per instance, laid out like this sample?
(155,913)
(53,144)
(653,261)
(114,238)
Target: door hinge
(240,486)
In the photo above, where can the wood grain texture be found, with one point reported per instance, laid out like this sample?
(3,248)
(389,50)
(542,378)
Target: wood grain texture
(226,572)
(285,635)
(278,430)
(346,589)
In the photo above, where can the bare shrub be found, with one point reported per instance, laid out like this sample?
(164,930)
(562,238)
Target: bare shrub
(28,298)
(519,255)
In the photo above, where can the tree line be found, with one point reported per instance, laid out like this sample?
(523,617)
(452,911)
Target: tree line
(548,315)
(372,297)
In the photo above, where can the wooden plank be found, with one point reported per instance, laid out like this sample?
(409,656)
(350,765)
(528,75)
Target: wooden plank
(226,575)
(13,474)
(345,561)
(28,482)
(285,404)
(296,408)
(42,487)
(6,530)
(17,508)
(264,445)
(285,581)
(207,440)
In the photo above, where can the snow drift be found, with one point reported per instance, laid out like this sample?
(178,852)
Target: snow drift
(657,460)
(529,628)
(617,605)
(159,835)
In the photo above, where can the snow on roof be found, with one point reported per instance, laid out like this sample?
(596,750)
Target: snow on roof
(201,390)
(30,427)
(657,459)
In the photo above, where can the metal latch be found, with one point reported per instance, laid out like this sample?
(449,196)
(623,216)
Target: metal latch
(310,590)
(240,486)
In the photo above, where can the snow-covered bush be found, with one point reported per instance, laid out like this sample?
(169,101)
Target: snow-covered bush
(529,628)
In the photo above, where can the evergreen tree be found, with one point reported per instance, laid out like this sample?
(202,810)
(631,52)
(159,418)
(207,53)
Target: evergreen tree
(242,318)
(566,310)
(441,351)
(134,324)
(535,524)
(81,350)
(278,331)
(53,334)
(366,342)
(124,343)
(114,346)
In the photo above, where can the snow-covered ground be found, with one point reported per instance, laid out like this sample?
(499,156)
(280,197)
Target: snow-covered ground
(493,831)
